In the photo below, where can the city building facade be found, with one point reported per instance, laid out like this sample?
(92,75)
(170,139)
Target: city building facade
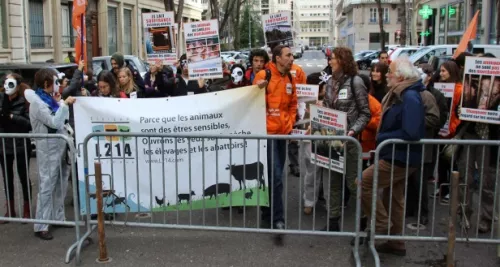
(316,25)
(358,23)
(41,30)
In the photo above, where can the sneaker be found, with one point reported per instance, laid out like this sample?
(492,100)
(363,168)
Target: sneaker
(446,199)
(435,195)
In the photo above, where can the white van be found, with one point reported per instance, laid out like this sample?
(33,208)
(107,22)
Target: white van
(424,54)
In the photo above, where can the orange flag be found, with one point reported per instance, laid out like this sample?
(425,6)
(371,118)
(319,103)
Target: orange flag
(469,34)
(78,21)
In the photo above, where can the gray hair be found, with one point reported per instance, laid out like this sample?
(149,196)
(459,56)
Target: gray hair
(405,69)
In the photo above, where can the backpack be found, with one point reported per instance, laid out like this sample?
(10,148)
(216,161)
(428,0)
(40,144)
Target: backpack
(268,76)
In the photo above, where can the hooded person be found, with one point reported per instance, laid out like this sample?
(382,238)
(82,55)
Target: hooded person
(118,62)
(49,115)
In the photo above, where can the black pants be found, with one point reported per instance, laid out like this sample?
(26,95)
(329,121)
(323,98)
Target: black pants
(415,181)
(22,170)
(444,172)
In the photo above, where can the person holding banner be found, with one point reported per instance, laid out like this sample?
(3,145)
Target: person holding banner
(128,86)
(258,58)
(48,115)
(474,155)
(281,99)
(346,92)
(107,86)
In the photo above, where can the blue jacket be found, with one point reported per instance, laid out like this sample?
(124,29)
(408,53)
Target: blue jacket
(404,119)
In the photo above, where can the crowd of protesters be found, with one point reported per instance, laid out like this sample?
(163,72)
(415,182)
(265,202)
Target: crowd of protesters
(395,101)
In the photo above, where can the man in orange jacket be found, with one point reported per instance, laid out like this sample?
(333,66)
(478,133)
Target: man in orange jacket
(281,104)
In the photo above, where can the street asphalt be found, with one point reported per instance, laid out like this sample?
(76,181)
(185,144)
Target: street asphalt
(134,246)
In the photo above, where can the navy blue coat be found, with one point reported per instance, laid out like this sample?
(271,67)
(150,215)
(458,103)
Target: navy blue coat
(404,119)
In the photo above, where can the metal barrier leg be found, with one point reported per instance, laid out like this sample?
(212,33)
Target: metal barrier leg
(103,253)
(450,256)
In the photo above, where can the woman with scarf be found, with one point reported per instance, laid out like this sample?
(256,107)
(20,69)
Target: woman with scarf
(49,115)
(14,118)
(346,92)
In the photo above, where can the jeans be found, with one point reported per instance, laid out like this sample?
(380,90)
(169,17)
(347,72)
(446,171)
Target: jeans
(276,156)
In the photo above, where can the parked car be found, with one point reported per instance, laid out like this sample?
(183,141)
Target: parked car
(363,53)
(364,62)
(297,52)
(28,70)
(104,63)
(399,51)
(436,61)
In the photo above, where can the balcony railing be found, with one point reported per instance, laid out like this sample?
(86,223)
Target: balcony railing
(68,41)
(314,30)
(41,41)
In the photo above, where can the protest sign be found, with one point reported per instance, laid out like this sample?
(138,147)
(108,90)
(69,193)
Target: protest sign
(448,90)
(307,94)
(278,29)
(329,122)
(203,49)
(481,90)
(160,38)
(167,173)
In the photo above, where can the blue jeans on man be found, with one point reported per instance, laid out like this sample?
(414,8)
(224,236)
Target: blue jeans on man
(276,156)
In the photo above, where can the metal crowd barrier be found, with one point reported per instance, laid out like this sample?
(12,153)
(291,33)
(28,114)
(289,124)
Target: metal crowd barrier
(16,174)
(481,150)
(248,218)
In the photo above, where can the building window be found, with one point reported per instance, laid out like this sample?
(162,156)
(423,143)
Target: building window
(281,1)
(493,25)
(37,33)
(127,37)
(399,15)
(112,30)
(386,15)
(4,38)
(373,15)
(442,20)
(456,17)
(68,38)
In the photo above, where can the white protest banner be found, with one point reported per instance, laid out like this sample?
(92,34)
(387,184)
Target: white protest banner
(325,121)
(159,36)
(448,90)
(278,29)
(307,94)
(481,90)
(203,49)
(157,174)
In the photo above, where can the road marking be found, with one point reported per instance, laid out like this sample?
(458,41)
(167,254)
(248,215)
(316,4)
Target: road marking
(321,66)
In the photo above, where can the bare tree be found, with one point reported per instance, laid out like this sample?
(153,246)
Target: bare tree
(236,22)
(381,24)
(170,6)
(228,9)
(402,15)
